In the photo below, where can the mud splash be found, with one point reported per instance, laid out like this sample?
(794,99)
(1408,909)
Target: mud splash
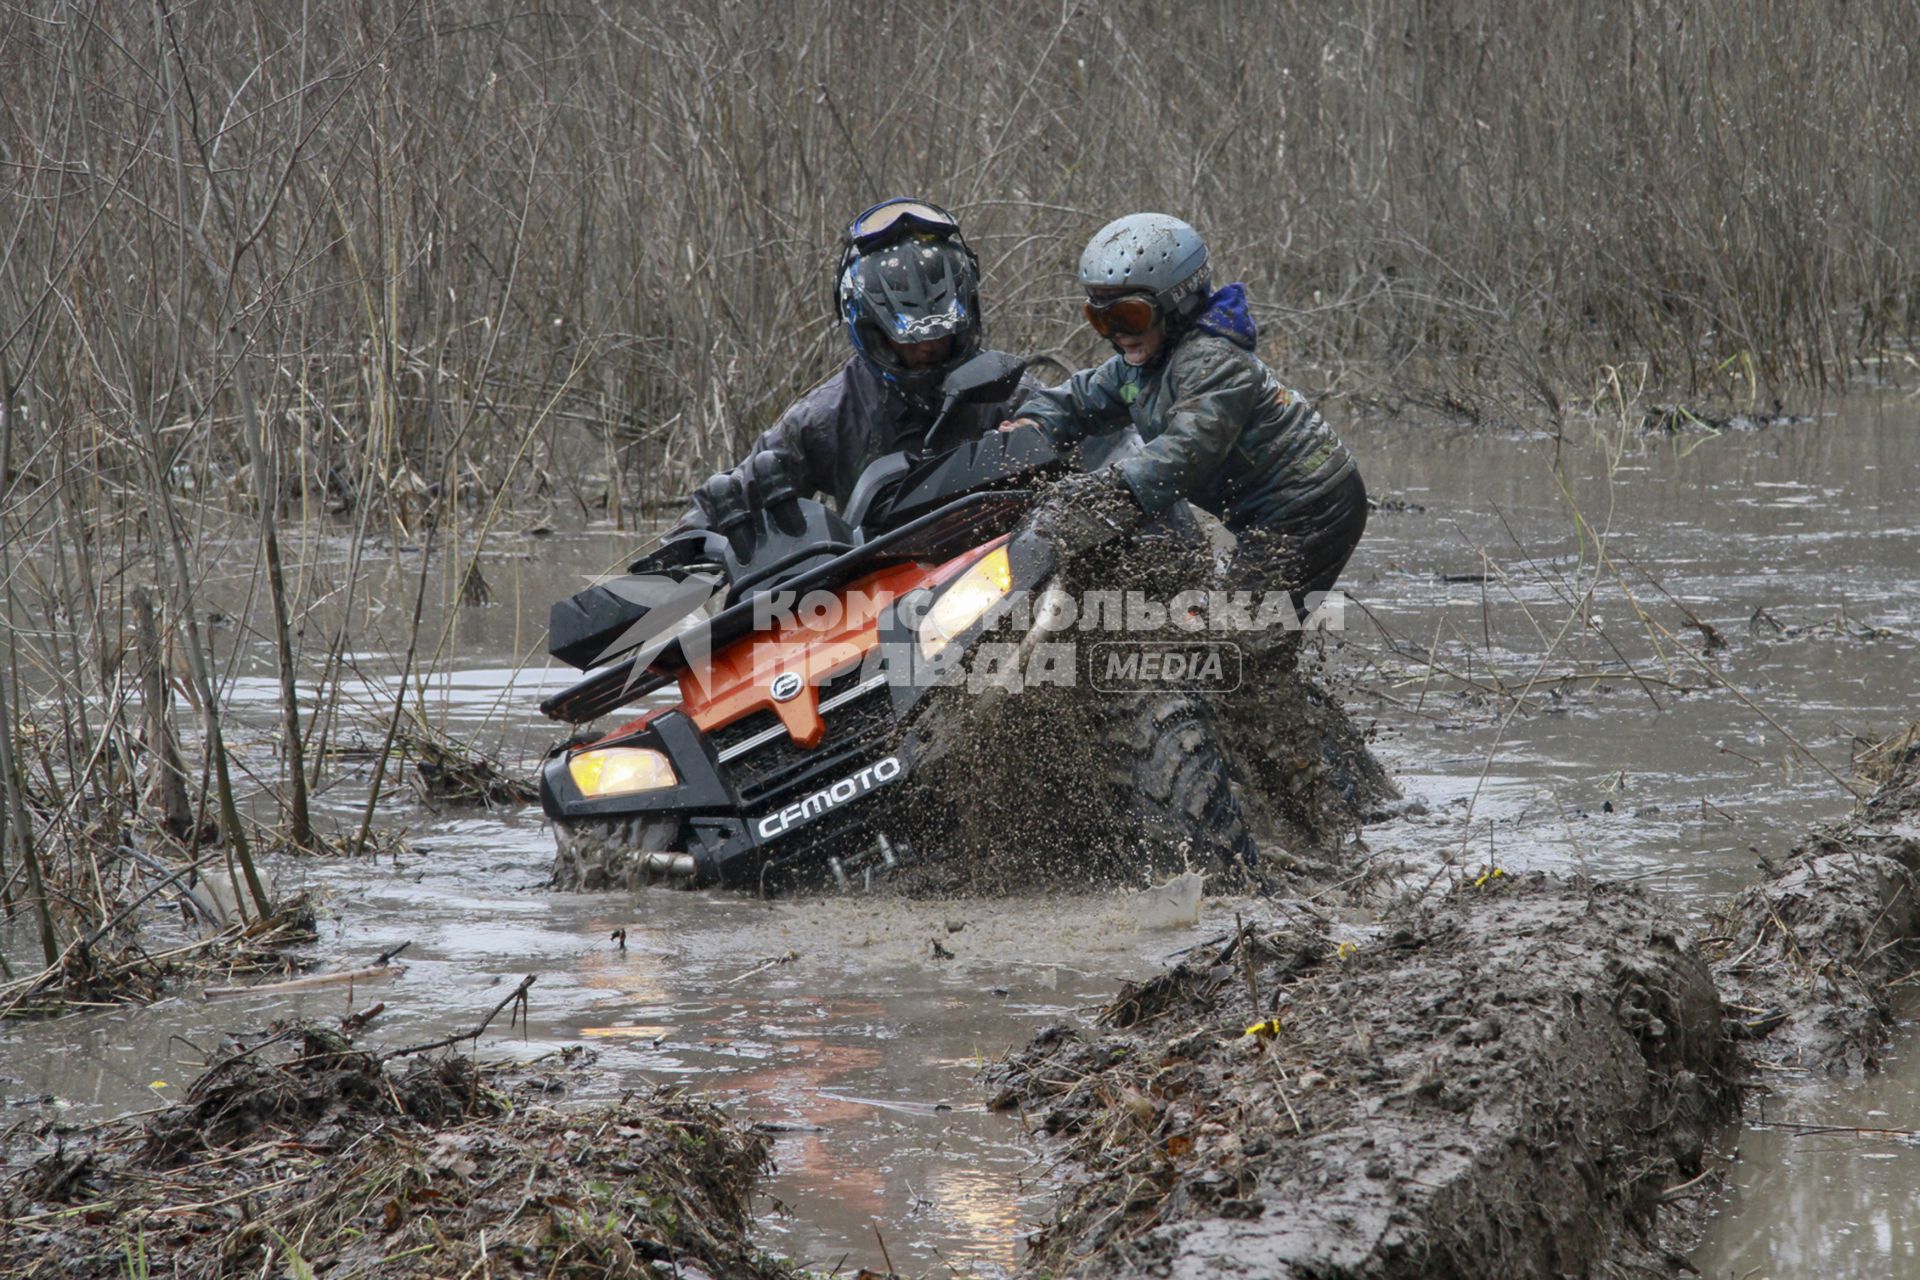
(1060,785)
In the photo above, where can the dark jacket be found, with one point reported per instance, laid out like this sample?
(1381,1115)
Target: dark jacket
(1220,429)
(830,434)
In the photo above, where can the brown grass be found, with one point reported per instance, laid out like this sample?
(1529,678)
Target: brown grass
(442,228)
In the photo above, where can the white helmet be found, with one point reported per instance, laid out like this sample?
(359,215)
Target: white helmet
(1152,253)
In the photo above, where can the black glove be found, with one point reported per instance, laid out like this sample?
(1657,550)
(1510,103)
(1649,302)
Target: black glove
(775,492)
(723,504)
(1084,510)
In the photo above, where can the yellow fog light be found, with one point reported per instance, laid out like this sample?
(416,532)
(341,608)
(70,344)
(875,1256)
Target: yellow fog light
(984,584)
(617,771)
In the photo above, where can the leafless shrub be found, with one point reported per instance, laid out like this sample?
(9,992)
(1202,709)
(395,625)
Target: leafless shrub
(447,229)
(378,261)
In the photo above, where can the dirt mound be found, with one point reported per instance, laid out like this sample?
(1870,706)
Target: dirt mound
(1503,1086)
(304,1156)
(1893,767)
(118,965)
(326,1092)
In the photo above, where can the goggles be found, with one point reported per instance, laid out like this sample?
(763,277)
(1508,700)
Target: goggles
(890,219)
(1128,317)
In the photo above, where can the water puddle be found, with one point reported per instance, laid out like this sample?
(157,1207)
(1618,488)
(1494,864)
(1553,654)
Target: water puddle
(1827,1183)
(832,1022)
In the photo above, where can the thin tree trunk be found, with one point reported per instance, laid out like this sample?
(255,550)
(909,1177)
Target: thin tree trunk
(166,778)
(230,827)
(14,822)
(267,498)
(19,826)
(300,823)
(400,692)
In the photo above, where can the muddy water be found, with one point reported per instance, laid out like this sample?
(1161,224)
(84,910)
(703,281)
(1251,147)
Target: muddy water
(1807,1200)
(1520,697)
(1801,546)
(1628,774)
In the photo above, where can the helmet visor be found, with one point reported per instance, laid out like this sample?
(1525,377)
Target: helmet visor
(1128,317)
(896,217)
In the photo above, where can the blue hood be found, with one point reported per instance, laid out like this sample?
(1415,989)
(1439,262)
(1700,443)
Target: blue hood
(1227,317)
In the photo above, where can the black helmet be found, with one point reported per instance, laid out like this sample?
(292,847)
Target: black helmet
(919,284)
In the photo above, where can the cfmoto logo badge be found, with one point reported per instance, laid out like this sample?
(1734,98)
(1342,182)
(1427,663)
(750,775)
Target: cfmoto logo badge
(787,686)
(800,812)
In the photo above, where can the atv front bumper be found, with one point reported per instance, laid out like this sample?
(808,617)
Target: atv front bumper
(751,809)
(748,806)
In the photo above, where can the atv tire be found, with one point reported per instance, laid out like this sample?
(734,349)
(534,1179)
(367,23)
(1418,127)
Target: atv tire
(608,854)
(1169,773)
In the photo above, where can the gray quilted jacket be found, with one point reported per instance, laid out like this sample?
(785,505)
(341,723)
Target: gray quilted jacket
(1221,431)
(830,434)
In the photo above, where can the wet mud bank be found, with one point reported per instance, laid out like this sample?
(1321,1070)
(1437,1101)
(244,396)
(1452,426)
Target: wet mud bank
(1807,959)
(1509,1082)
(301,1155)
(1529,1078)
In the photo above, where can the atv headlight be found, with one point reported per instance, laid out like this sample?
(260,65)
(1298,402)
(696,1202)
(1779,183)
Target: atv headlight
(618,771)
(961,604)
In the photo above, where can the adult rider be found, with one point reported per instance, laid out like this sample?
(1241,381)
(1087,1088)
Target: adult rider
(907,292)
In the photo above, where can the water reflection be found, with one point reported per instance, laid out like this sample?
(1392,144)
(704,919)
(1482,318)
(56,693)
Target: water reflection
(1825,1203)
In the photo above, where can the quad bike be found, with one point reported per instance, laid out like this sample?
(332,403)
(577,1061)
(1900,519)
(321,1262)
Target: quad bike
(790,734)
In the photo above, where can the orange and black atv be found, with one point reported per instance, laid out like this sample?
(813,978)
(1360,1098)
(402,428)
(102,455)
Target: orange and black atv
(792,663)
